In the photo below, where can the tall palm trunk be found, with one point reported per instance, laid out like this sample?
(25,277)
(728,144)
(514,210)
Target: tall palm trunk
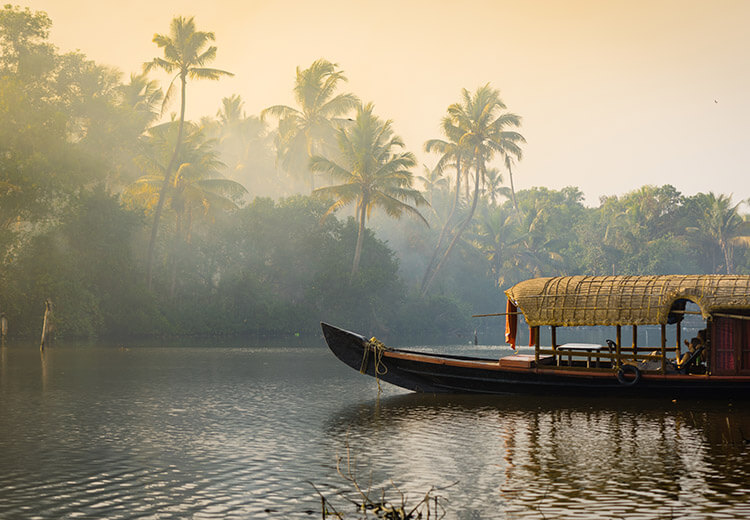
(165,186)
(175,247)
(310,154)
(444,231)
(512,189)
(728,250)
(464,224)
(360,239)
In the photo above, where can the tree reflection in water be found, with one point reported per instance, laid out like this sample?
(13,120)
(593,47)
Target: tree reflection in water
(520,457)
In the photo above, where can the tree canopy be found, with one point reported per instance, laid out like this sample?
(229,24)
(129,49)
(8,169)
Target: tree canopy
(240,246)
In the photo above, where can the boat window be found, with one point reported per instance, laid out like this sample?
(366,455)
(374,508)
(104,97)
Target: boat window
(692,320)
(677,312)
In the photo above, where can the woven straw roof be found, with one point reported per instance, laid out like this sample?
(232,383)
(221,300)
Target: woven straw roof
(624,300)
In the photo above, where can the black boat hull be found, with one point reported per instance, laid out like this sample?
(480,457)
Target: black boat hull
(422,372)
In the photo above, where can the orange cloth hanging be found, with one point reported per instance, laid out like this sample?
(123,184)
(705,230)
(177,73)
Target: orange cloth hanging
(533,331)
(511,324)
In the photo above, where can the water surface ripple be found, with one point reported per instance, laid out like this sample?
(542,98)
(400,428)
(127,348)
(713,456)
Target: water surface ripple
(238,432)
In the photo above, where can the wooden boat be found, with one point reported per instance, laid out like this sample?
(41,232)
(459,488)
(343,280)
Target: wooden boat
(718,364)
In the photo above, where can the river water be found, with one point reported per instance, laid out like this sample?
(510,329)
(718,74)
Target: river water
(232,431)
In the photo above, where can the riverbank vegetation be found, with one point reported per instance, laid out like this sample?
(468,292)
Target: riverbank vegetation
(134,223)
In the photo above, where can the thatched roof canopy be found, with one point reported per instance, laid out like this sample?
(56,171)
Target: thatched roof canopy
(625,300)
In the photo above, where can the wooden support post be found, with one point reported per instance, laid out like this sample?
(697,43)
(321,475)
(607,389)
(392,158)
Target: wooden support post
(709,349)
(618,344)
(553,340)
(678,333)
(663,348)
(536,346)
(635,341)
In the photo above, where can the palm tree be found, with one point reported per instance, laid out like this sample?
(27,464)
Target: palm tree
(515,249)
(492,236)
(482,128)
(232,111)
(537,253)
(492,186)
(372,173)
(720,223)
(231,129)
(198,186)
(509,167)
(433,180)
(450,150)
(143,96)
(198,189)
(246,147)
(187,52)
(304,132)
(114,117)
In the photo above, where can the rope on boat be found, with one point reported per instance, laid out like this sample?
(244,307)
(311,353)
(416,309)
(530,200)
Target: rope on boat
(377,347)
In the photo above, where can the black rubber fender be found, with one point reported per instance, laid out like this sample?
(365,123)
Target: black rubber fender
(625,369)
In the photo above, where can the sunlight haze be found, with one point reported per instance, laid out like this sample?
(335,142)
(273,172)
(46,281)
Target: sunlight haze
(613,95)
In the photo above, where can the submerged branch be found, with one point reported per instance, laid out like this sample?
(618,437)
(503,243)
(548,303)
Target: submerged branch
(429,505)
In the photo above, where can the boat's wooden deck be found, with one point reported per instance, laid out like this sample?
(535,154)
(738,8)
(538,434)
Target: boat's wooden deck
(524,361)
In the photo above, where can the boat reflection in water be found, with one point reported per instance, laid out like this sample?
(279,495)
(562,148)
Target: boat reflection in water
(522,457)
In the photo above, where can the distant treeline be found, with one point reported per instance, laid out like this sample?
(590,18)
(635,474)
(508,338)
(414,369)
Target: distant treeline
(268,224)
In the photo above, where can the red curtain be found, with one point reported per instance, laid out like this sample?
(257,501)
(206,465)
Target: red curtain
(723,344)
(745,359)
(511,324)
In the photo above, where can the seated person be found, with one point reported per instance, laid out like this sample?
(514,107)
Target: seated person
(692,347)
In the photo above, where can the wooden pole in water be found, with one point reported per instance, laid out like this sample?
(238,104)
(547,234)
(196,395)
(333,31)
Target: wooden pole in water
(3,327)
(47,324)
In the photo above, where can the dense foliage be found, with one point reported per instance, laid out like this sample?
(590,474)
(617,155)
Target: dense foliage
(248,214)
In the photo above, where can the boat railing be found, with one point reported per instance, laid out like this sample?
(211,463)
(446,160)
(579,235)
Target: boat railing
(602,356)
(587,350)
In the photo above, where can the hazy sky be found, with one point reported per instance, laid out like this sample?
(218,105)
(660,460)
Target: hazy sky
(613,94)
